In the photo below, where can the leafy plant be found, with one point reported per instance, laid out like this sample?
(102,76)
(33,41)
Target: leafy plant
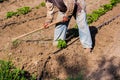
(10,14)
(97,13)
(114,2)
(9,72)
(107,7)
(61,44)
(23,10)
(43,4)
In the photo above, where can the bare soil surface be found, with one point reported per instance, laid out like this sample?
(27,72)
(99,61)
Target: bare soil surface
(36,54)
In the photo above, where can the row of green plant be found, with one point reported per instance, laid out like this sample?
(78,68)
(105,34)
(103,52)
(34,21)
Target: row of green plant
(94,16)
(23,10)
(9,72)
(20,11)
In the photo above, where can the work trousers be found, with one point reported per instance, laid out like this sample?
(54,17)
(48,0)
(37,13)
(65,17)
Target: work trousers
(83,28)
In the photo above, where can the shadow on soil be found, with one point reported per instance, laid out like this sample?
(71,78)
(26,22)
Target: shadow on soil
(65,69)
(73,33)
(107,69)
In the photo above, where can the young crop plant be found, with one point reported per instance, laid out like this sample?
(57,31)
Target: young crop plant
(94,16)
(10,14)
(23,10)
(16,43)
(43,4)
(107,7)
(9,72)
(114,2)
(61,44)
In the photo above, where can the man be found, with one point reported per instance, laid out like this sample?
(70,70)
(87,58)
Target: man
(67,9)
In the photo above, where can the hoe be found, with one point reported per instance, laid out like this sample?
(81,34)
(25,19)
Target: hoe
(14,39)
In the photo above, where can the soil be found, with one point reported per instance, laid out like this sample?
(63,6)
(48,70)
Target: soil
(36,54)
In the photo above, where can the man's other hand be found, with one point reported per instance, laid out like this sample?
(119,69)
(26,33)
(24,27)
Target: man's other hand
(65,18)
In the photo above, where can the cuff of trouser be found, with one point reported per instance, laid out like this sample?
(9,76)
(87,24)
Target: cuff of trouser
(55,43)
(86,46)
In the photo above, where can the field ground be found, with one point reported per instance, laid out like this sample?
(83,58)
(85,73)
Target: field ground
(36,54)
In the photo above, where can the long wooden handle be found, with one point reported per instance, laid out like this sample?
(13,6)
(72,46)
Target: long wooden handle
(13,39)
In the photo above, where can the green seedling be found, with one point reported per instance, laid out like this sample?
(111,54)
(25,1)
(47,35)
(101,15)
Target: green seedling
(10,14)
(23,10)
(107,7)
(42,4)
(94,16)
(20,11)
(15,43)
(114,2)
(37,7)
(61,44)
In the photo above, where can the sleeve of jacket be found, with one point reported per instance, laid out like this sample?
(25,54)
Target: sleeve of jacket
(50,10)
(70,4)
(82,4)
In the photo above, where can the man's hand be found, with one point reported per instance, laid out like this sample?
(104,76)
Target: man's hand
(46,25)
(65,18)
